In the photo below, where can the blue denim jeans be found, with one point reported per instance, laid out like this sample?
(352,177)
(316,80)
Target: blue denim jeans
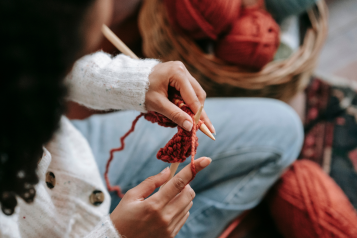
(257,139)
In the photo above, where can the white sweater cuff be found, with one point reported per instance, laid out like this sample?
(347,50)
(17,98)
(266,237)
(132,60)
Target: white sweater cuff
(101,82)
(104,228)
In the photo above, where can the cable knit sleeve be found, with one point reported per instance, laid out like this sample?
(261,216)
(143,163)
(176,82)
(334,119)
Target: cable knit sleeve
(105,228)
(102,82)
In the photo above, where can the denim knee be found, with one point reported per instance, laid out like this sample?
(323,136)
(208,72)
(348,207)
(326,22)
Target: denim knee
(287,126)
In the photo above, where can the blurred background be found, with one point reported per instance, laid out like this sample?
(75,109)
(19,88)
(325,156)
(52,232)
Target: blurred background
(339,55)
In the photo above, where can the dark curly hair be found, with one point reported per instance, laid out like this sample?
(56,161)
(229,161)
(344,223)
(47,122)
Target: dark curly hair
(40,41)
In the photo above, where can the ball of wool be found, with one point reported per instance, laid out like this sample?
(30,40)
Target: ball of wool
(281,9)
(252,41)
(203,18)
(307,203)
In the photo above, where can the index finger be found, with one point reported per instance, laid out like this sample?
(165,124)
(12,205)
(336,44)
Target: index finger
(187,92)
(191,92)
(179,181)
(201,95)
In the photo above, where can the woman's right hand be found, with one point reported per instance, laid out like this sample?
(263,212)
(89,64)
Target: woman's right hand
(164,213)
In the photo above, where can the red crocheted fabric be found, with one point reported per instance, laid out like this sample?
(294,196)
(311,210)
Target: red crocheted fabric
(182,145)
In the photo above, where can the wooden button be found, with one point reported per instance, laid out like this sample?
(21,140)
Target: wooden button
(96,198)
(50,180)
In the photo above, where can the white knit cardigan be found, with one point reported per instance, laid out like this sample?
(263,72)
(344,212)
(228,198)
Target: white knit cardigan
(97,81)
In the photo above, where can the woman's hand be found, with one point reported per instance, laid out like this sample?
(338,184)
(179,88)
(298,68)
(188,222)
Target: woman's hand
(163,214)
(176,75)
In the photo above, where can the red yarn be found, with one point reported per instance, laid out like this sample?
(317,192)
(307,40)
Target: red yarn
(252,41)
(203,18)
(182,145)
(307,203)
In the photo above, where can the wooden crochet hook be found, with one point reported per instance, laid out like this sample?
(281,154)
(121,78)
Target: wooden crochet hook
(119,44)
(114,39)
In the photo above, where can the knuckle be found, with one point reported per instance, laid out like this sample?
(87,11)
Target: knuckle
(150,179)
(175,116)
(130,193)
(189,193)
(153,208)
(202,95)
(193,103)
(192,193)
(179,183)
(165,220)
(178,66)
(149,183)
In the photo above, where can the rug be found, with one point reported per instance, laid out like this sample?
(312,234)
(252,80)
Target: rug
(331,133)
(330,141)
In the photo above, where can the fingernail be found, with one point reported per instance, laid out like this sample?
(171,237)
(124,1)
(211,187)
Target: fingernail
(164,171)
(204,163)
(187,125)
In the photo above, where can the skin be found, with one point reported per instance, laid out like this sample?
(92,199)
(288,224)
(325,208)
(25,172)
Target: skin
(98,14)
(163,75)
(176,75)
(124,9)
(163,214)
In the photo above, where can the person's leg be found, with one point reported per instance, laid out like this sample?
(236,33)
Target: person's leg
(256,140)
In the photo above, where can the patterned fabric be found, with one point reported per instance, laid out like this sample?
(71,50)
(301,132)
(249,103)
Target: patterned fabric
(331,133)
(330,141)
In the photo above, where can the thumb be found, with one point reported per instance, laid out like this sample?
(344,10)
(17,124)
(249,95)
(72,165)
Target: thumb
(148,186)
(175,114)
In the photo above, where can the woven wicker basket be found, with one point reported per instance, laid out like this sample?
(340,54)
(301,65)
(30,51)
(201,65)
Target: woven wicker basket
(278,79)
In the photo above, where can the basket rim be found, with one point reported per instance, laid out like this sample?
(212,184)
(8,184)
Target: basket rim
(274,73)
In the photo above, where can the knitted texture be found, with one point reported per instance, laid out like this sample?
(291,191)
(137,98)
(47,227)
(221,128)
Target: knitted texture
(252,41)
(280,9)
(203,18)
(101,82)
(307,203)
(65,210)
(104,229)
(182,145)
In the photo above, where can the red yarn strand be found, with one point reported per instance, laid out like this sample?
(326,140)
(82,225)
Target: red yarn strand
(122,146)
(234,224)
(182,145)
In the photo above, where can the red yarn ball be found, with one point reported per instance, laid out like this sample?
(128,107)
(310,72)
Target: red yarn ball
(203,18)
(307,203)
(252,41)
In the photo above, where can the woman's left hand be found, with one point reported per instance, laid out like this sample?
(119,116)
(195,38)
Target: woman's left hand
(176,75)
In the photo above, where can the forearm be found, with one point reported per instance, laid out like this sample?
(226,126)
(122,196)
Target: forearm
(101,82)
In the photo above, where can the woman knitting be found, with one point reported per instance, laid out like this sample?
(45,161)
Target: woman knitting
(51,169)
